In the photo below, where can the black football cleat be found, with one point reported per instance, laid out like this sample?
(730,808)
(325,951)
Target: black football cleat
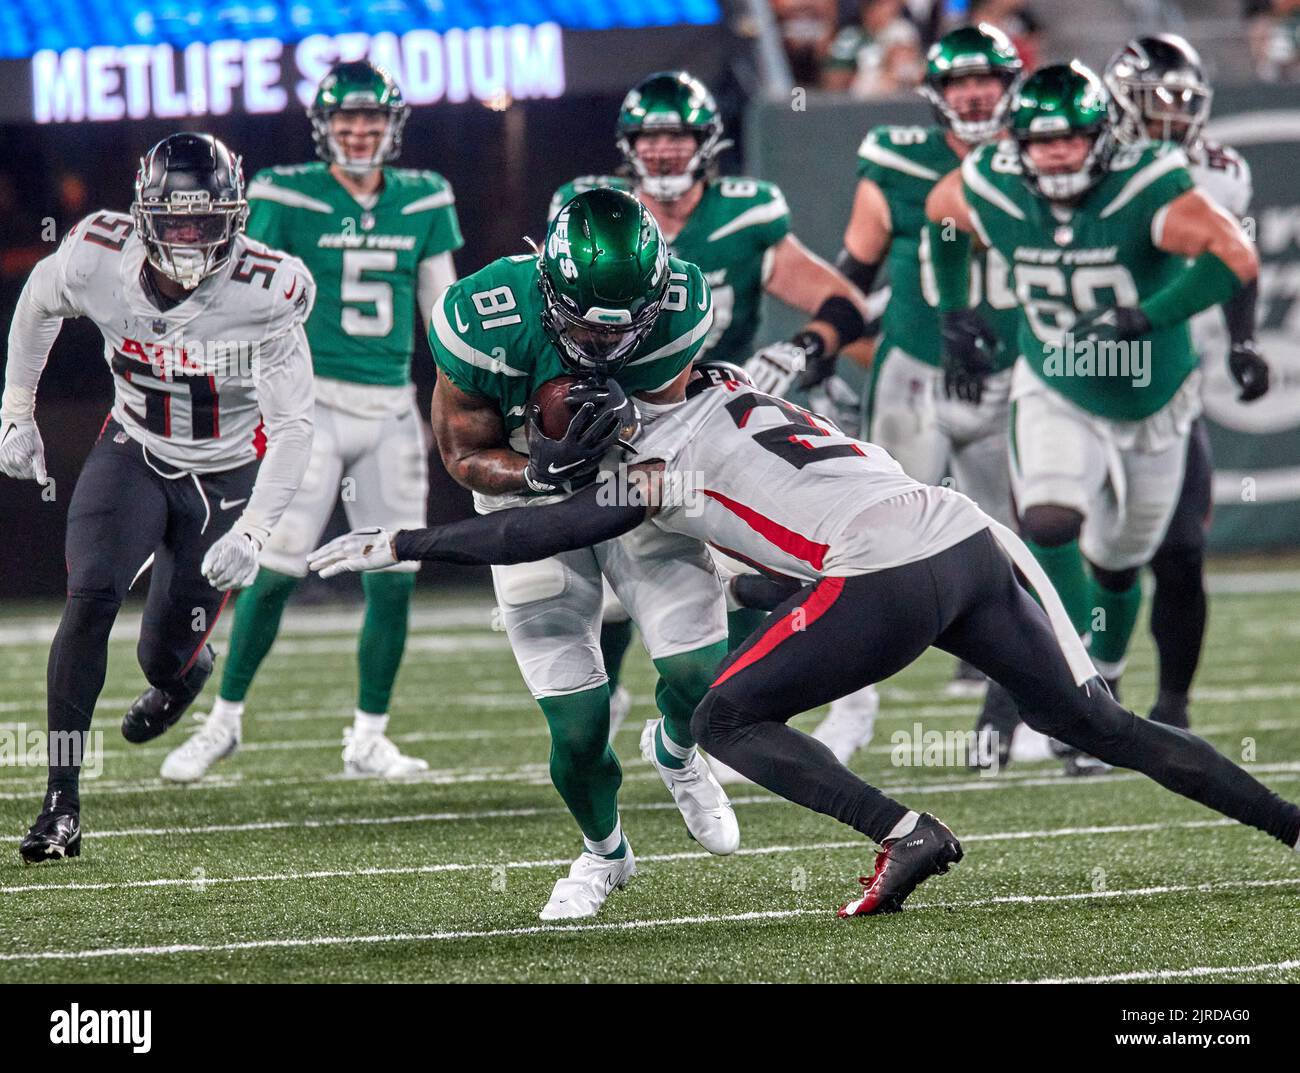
(56,834)
(929,849)
(155,710)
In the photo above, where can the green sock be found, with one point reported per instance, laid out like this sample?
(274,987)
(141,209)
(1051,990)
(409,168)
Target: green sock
(383,637)
(683,681)
(257,621)
(1114,615)
(741,623)
(584,768)
(1063,564)
(615,637)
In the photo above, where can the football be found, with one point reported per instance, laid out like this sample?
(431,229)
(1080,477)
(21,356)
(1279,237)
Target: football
(555,412)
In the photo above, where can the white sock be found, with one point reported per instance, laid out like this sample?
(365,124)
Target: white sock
(608,845)
(904,826)
(368,723)
(228,713)
(677,752)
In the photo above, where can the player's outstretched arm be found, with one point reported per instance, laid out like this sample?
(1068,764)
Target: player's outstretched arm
(37,319)
(597,513)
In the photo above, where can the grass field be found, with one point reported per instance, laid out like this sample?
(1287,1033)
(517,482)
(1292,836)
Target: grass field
(279,869)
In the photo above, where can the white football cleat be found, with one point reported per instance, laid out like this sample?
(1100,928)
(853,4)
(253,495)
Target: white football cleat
(590,881)
(849,724)
(215,739)
(700,799)
(377,755)
(620,703)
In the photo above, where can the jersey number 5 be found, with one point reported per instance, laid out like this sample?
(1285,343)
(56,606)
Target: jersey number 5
(373,292)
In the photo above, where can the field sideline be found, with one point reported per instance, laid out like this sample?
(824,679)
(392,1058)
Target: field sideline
(280,869)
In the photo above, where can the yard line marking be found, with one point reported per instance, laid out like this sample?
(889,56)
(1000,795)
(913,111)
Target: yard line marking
(860,844)
(516,813)
(636,925)
(1196,971)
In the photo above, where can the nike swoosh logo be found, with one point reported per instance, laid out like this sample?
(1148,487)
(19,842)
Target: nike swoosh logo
(292,287)
(460,327)
(704,302)
(555,470)
(226,504)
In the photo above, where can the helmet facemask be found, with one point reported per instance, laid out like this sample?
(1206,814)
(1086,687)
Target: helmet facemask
(1068,185)
(596,340)
(331,149)
(1177,111)
(667,188)
(973,131)
(188,237)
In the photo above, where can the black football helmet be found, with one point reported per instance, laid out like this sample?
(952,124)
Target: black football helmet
(189,206)
(1159,86)
(714,373)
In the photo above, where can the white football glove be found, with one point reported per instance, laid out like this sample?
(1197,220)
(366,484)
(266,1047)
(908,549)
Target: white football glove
(231,563)
(834,398)
(362,549)
(22,454)
(774,368)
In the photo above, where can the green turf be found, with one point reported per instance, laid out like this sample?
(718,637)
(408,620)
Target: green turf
(279,853)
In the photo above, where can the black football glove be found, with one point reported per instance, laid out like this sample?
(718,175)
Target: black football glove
(573,460)
(609,397)
(969,354)
(1249,369)
(1110,324)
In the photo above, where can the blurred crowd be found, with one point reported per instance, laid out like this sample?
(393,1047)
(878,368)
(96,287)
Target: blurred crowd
(870,47)
(1275,38)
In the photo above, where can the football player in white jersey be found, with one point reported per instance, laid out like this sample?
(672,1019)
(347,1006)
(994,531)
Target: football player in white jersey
(895,565)
(203,332)
(1159,84)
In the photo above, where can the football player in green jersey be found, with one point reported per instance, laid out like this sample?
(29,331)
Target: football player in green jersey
(1112,250)
(737,230)
(937,422)
(603,300)
(379,241)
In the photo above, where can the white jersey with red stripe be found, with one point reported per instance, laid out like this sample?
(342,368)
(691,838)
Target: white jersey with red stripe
(783,489)
(185,379)
(1221,173)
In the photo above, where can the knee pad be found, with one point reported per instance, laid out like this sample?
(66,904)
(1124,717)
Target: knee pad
(1050,525)
(90,612)
(1115,580)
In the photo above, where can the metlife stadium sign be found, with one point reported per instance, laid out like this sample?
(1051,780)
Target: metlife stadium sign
(168,59)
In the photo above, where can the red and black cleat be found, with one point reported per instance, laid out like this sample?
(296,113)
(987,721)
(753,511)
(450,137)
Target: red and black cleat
(929,849)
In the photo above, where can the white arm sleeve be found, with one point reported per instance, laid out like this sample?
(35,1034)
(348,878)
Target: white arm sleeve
(37,319)
(436,274)
(286,399)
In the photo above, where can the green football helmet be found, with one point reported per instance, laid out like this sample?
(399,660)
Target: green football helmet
(670,101)
(358,86)
(1060,101)
(603,273)
(969,50)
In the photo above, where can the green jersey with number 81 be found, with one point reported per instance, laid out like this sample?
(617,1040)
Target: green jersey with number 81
(906,163)
(487,337)
(729,235)
(1099,252)
(365,260)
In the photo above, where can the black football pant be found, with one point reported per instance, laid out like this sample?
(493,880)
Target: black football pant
(844,633)
(127,506)
(1178,605)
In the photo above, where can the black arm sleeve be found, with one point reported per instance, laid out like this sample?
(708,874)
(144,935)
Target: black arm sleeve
(522,534)
(1239,312)
(862,274)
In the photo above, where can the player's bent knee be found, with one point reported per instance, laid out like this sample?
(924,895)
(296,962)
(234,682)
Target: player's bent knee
(1115,580)
(716,720)
(1051,525)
